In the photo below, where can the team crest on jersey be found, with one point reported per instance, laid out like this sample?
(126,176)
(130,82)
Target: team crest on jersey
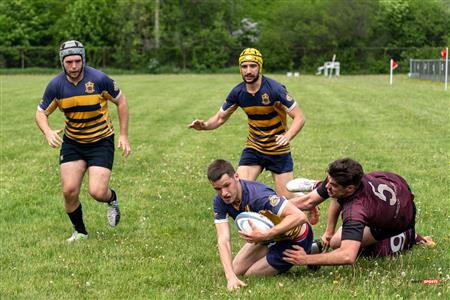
(289,98)
(274,200)
(265,99)
(89,87)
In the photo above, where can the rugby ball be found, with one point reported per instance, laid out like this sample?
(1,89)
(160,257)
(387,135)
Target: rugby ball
(261,222)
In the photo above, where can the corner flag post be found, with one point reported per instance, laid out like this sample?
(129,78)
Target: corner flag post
(392,66)
(446,69)
(390,72)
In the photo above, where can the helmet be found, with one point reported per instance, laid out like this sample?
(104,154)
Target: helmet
(251,54)
(72,48)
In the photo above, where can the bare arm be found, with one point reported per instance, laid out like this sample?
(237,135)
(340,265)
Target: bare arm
(344,255)
(214,122)
(52,136)
(332,217)
(226,258)
(308,201)
(122,111)
(298,121)
(291,217)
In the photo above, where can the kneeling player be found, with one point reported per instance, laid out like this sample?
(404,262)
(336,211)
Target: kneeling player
(234,196)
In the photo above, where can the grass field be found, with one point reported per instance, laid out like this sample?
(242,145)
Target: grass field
(165,246)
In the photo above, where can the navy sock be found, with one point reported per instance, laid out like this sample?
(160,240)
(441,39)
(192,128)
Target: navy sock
(76,217)
(113,196)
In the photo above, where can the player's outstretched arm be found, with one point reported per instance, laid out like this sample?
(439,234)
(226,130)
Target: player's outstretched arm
(344,255)
(53,137)
(308,201)
(226,258)
(214,122)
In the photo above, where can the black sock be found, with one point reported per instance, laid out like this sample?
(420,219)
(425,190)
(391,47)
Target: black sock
(113,196)
(76,217)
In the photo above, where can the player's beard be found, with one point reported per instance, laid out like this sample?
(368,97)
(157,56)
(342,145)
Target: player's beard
(75,76)
(252,79)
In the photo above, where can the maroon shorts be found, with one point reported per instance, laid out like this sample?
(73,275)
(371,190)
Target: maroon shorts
(393,245)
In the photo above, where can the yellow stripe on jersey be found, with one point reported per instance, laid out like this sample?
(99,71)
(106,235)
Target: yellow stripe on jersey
(231,109)
(267,123)
(258,110)
(87,118)
(82,100)
(281,110)
(51,108)
(261,133)
(264,123)
(274,150)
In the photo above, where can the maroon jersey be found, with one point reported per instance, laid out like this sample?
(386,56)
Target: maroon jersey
(383,202)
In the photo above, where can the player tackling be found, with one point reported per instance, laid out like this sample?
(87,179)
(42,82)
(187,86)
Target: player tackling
(378,215)
(235,195)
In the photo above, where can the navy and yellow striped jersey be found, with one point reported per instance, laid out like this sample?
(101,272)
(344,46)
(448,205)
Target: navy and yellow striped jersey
(266,111)
(256,197)
(85,105)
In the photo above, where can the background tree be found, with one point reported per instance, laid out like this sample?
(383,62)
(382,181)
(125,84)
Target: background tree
(207,35)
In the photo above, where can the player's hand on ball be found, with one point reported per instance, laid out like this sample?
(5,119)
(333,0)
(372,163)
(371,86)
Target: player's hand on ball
(53,138)
(253,236)
(198,124)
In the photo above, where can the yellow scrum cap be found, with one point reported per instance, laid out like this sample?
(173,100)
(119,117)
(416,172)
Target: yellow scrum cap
(251,54)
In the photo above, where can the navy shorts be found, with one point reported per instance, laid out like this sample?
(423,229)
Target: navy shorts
(275,254)
(100,153)
(278,164)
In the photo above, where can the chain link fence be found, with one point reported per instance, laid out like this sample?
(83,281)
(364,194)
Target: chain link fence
(428,69)
(369,60)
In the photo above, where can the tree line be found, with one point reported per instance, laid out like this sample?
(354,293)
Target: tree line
(208,35)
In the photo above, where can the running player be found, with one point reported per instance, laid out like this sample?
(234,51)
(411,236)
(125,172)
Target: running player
(267,105)
(82,93)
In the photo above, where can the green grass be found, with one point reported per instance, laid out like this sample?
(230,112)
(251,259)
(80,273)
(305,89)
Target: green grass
(165,246)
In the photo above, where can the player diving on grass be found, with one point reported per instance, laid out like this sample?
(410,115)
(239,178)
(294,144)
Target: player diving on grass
(267,105)
(257,257)
(378,215)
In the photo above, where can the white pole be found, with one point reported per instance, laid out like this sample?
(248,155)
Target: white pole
(410,68)
(390,72)
(446,69)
